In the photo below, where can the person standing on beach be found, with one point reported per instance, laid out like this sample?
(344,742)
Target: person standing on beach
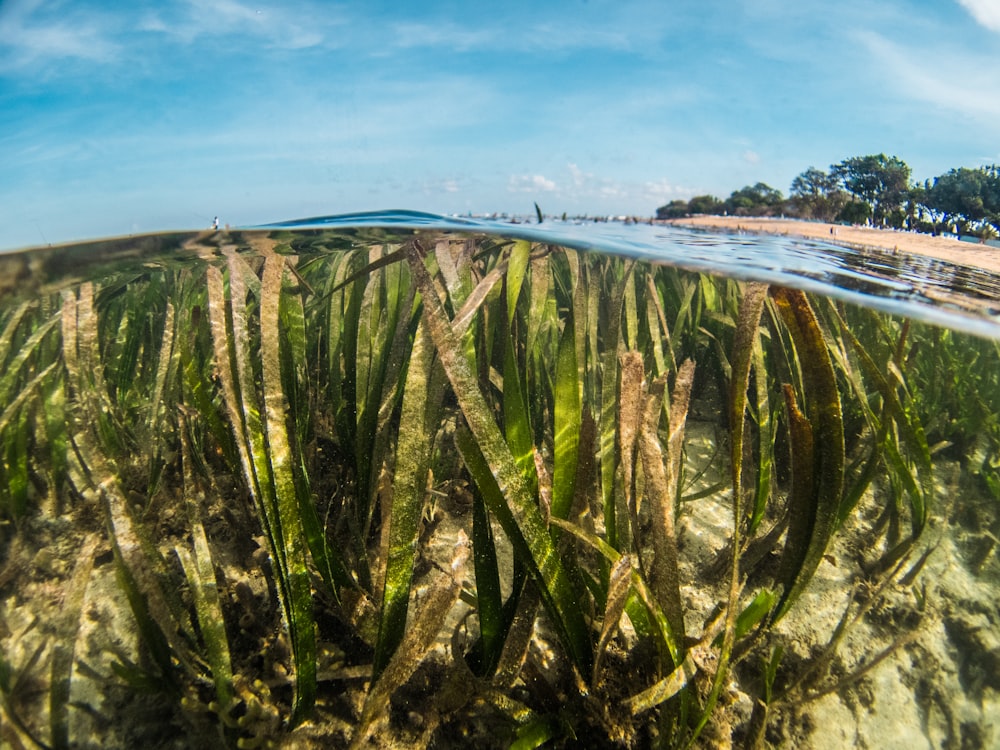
(215,223)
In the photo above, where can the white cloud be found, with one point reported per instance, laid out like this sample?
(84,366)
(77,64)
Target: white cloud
(751,157)
(277,24)
(581,187)
(433,187)
(451,37)
(530,184)
(446,34)
(37,35)
(628,29)
(986,12)
(578,176)
(961,83)
(29,34)
(662,190)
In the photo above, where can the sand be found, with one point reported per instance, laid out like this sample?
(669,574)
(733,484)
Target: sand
(944,248)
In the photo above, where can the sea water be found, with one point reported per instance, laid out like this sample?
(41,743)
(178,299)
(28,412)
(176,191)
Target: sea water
(400,480)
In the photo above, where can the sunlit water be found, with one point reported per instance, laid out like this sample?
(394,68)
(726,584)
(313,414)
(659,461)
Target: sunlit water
(205,437)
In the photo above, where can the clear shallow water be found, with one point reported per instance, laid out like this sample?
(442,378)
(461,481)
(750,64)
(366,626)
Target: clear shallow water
(210,443)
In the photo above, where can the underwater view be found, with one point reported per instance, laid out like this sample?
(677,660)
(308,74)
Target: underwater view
(398,481)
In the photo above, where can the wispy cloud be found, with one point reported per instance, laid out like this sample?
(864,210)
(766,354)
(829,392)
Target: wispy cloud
(531,36)
(986,12)
(457,38)
(32,32)
(37,35)
(281,26)
(961,81)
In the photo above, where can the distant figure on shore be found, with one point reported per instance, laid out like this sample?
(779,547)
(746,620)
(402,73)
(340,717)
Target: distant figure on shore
(215,223)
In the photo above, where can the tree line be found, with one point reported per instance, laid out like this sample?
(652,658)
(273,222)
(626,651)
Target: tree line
(875,190)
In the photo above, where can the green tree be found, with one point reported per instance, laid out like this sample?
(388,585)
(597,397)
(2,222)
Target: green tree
(968,199)
(990,194)
(705,204)
(815,194)
(755,200)
(959,194)
(855,212)
(676,209)
(880,181)
(913,208)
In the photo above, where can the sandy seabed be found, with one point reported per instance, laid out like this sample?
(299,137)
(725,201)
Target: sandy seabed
(972,254)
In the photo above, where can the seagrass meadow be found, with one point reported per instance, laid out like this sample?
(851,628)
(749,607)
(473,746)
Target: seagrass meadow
(329,488)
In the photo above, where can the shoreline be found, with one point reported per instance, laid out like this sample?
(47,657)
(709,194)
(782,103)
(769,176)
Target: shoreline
(974,255)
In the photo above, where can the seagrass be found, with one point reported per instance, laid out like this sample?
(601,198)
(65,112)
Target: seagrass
(279,435)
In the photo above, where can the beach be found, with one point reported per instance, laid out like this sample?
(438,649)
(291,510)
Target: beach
(949,249)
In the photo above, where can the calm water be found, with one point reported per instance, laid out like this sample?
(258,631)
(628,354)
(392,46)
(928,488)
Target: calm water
(394,480)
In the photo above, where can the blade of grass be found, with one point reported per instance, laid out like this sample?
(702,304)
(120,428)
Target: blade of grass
(200,571)
(12,370)
(420,416)
(135,567)
(294,349)
(231,345)
(813,516)
(24,395)
(609,405)
(748,322)
(141,570)
(11,327)
(264,448)
(538,553)
(502,473)
(765,442)
(224,362)
(417,642)
(567,419)
(748,326)
(910,429)
(165,371)
(489,596)
(64,645)
(539,293)
(57,439)
(10,677)
(630,409)
(664,689)
(286,491)
(93,390)
(661,488)
(619,587)
(662,630)
(517,421)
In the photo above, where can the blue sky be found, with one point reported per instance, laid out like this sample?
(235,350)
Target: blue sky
(165,114)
